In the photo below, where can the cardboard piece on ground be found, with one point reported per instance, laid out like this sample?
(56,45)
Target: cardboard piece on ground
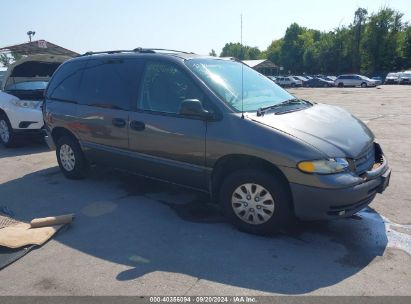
(38,232)
(22,234)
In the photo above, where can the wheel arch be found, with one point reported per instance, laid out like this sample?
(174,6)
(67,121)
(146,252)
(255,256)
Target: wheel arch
(59,132)
(3,112)
(233,162)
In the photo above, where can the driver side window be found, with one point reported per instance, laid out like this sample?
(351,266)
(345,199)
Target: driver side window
(165,87)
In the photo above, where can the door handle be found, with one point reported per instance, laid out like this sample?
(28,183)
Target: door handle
(137,125)
(119,122)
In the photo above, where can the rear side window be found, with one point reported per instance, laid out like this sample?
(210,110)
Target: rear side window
(165,87)
(110,83)
(65,83)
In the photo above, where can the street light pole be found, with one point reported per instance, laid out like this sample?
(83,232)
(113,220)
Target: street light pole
(31,34)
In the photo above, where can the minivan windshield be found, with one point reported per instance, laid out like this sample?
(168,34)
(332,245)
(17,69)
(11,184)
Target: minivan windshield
(224,77)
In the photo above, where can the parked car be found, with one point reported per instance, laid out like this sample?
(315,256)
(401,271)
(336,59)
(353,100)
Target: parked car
(392,78)
(405,78)
(288,81)
(319,83)
(2,72)
(354,80)
(263,154)
(20,102)
(303,79)
(378,80)
(273,78)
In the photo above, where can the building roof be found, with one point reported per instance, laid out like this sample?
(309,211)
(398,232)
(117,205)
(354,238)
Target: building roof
(261,63)
(38,47)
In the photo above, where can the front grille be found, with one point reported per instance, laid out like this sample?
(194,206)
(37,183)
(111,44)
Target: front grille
(365,161)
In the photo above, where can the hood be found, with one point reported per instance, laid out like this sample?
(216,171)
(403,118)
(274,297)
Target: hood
(330,129)
(32,68)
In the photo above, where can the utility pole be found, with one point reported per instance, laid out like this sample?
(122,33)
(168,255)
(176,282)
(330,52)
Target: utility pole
(31,34)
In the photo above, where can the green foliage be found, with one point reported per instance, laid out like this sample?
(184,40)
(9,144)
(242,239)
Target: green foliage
(7,59)
(212,53)
(238,51)
(372,44)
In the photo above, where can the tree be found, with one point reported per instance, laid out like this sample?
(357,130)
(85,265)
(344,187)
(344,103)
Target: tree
(407,48)
(360,17)
(7,59)
(381,41)
(292,49)
(273,52)
(372,44)
(241,52)
(212,53)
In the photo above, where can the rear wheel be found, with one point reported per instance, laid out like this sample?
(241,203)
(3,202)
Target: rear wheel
(363,85)
(256,202)
(70,158)
(7,136)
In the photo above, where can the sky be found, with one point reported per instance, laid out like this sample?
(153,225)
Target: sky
(197,26)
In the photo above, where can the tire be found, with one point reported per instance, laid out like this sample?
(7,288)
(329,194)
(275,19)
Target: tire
(7,136)
(340,85)
(363,85)
(325,85)
(71,158)
(274,204)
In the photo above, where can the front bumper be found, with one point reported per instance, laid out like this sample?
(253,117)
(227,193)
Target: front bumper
(314,203)
(22,119)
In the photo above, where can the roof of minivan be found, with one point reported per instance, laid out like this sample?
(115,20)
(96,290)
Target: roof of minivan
(174,54)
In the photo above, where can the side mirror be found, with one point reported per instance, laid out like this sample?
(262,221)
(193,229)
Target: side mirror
(193,107)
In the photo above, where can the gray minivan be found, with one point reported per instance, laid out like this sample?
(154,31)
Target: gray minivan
(215,125)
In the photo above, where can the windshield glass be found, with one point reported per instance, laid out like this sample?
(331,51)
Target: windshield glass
(27,86)
(224,78)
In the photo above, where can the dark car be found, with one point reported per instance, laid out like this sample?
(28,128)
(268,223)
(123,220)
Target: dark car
(318,83)
(215,125)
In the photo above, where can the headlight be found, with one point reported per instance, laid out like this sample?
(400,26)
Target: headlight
(326,166)
(29,104)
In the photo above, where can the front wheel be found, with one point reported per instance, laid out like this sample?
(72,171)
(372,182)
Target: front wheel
(363,85)
(7,136)
(256,202)
(70,158)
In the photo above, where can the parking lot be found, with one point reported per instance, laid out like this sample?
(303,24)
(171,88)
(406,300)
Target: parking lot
(137,237)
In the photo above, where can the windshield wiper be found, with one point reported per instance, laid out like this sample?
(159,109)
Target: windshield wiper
(293,101)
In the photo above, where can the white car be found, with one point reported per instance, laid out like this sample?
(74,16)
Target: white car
(405,78)
(22,96)
(288,81)
(354,80)
(392,78)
